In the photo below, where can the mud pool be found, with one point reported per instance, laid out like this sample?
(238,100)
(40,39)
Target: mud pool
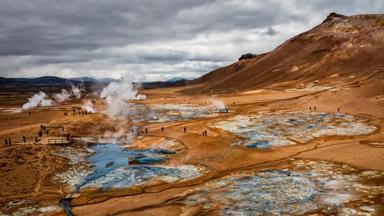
(112,166)
(269,129)
(177,112)
(307,186)
(166,112)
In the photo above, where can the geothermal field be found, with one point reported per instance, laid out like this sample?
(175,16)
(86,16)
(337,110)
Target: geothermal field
(241,140)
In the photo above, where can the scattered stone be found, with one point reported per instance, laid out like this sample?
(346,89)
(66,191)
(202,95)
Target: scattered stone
(367,208)
(109,164)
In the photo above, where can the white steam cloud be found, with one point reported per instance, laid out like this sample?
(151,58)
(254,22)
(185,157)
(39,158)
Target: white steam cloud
(76,91)
(217,103)
(117,95)
(38,99)
(88,106)
(141,97)
(41,98)
(121,134)
(61,97)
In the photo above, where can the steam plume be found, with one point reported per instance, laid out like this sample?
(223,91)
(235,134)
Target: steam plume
(217,103)
(88,106)
(36,100)
(61,97)
(117,94)
(76,91)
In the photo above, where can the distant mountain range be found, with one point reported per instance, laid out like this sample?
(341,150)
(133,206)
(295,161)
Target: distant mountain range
(51,80)
(173,82)
(58,81)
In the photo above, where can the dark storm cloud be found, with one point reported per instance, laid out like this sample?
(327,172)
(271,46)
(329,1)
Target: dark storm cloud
(91,37)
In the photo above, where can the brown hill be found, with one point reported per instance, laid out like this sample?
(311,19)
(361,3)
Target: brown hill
(341,48)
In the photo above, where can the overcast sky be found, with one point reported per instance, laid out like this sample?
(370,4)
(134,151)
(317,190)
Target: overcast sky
(150,39)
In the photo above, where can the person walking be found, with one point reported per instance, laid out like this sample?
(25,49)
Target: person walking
(162,129)
(24,139)
(185,129)
(146,130)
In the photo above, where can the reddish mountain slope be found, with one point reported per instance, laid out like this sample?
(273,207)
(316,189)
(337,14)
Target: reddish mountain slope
(339,49)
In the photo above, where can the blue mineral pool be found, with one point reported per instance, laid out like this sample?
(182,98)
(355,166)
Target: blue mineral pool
(109,157)
(112,167)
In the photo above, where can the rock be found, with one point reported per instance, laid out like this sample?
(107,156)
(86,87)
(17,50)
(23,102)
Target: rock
(367,209)
(109,164)
(19,161)
(247,56)
(333,15)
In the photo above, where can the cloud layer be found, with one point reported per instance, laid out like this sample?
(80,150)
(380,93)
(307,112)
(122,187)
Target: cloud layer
(153,39)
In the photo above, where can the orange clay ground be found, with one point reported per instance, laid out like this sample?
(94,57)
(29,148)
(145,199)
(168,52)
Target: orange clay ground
(27,169)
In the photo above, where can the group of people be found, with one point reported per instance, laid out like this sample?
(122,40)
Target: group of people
(43,130)
(310,108)
(205,133)
(314,108)
(77,110)
(8,142)
(80,113)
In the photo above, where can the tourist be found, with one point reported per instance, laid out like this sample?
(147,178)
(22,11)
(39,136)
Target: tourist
(5,142)
(24,139)
(162,129)
(185,129)
(310,108)
(146,130)
(338,109)
(40,133)
(36,140)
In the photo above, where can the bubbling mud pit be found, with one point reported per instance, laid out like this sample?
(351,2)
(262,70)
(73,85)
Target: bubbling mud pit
(302,188)
(267,129)
(137,112)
